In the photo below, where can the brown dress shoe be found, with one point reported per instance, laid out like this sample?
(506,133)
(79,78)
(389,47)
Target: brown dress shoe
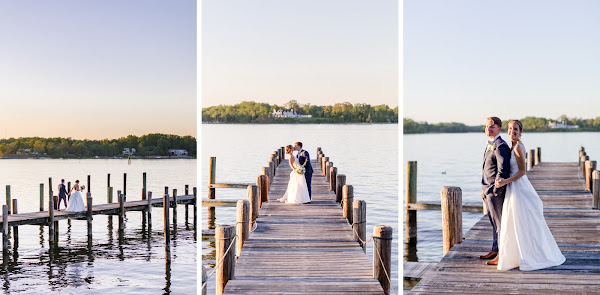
(493,261)
(490,255)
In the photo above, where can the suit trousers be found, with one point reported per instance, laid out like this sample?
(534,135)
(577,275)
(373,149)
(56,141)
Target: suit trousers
(494,205)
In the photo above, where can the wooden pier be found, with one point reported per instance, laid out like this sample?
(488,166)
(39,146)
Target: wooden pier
(307,248)
(573,223)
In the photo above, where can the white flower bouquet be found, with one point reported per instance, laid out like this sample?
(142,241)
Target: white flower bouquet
(300,170)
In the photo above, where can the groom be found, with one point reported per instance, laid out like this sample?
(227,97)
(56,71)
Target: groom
(304,157)
(496,163)
(62,193)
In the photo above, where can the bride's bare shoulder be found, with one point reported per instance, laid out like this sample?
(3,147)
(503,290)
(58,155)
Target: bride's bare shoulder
(520,149)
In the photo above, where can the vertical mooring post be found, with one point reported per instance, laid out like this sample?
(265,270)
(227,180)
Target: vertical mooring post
(51,221)
(596,189)
(8,201)
(5,230)
(333,178)
(253,199)
(242,224)
(339,183)
(149,212)
(538,155)
(262,190)
(411,198)
(121,198)
(382,255)
(451,216)
(224,237)
(347,201)
(89,214)
(590,166)
(89,183)
(124,187)
(195,211)
(328,166)
(212,169)
(175,208)
(167,227)
(531,158)
(583,159)
(359,226)
(15,209)
(41,197)
(144,188)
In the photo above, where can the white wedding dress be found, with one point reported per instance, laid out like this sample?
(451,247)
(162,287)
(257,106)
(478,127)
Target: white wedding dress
(76,203)
(297,190)
(525,240)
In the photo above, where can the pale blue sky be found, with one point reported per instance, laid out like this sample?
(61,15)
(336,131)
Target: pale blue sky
(317,52)
(467,60)
(97,69)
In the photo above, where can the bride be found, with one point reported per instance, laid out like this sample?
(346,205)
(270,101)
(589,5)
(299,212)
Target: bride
(75,199)
(297,190)
(525,240)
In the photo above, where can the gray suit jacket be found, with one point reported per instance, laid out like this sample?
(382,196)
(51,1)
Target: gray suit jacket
(495,162)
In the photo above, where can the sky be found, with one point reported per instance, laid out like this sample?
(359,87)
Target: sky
(97,69)
(467,60)
(317,52)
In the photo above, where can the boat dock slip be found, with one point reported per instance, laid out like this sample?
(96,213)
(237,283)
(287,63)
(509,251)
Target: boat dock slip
(309,248)
(575,225)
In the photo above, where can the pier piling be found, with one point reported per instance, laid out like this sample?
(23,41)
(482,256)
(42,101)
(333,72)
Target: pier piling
(451,216)
(339,183)
(242,224)
(167,227)
(41,197)
(590,166)
(596,189)
(224,238)
(359,226)
(253,199)
(382,255)
(333,178)
(411,198)
(347,201)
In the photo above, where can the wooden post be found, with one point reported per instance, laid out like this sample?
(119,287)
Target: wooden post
(261,182)
(538,155)
(187,193)
(596,189)
(324,166)
(333,177)
(253,199)
(212,169)
(8,201)
(224,238)
(265,172)
(149,211)
(242,222)
(167,227)
(327,172)
(272,171)
(50,186)
(88,184)
(175,207)
(348,199)
(15,209)
(121,210)
(110,194)
(410,232)
(382,256)
(51,221)
(590,166)
(89,214)
(124,187)
(41,197)
(5,230)
(581,153)
(583,159)
(451,216)
(195,211)
(531,158)
(359,226)
(339,183)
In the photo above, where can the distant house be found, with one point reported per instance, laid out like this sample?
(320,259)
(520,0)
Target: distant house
(128,151)
(561,125)
(288,114)
(178,152)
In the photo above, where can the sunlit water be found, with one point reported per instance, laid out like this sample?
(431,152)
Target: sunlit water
(366,154)
(132,263)
(460,156)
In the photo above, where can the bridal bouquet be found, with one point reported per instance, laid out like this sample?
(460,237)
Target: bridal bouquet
(82,187)
(300,170)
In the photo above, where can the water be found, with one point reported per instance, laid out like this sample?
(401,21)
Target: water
(461,157)
(366,154)
(130,263)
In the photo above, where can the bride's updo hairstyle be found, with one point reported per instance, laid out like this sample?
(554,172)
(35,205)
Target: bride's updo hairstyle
(288,149)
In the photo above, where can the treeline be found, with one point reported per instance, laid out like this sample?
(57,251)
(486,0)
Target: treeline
(147,145)
(253,112)
(530,124)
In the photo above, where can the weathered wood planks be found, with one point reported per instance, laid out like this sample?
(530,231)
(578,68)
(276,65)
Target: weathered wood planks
(302,248)
(572,221)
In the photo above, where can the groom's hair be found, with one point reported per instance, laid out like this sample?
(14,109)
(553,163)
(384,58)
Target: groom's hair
(299,144)
(496,120)
(62,180)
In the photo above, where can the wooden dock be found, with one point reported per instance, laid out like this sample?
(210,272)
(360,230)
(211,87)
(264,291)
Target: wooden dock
(572,221)
(302,248)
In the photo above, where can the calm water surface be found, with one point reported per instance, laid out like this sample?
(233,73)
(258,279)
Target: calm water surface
(131,263)
(461,157)
(366,154)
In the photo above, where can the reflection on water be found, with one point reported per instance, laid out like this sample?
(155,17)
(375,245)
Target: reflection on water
(78,261)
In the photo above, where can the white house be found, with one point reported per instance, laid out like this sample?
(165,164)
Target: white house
(178,152)
(561,125)
(288,114)
(128,151)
